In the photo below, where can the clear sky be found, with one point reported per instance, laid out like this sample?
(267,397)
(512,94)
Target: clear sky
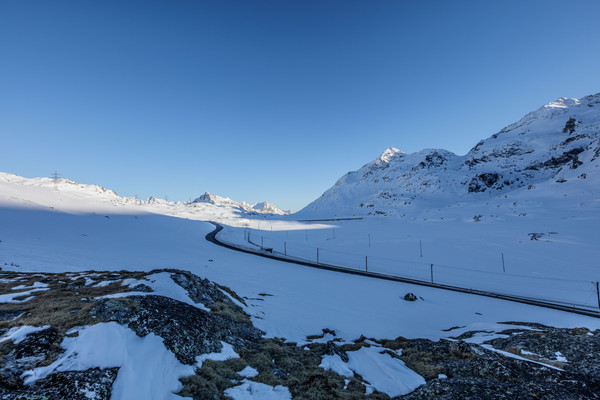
(272,100)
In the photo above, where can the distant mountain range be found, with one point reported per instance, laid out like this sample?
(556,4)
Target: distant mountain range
(556,147)
(65,193)
(263,207)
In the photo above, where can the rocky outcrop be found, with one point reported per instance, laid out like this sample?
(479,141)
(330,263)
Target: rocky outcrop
(554,362)
(92,384)
(574,350)
(483,181)
(186,330)
(35,349)
(461,370)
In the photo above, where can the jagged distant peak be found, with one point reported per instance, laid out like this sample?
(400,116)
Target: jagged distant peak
(51,191)
(387,155)
(262,207)
(210,198)
(156,201)
(204,197)
(268,208)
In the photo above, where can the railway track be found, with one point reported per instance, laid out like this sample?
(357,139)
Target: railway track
(212,237)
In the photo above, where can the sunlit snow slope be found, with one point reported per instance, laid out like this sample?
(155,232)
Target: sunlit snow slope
(67,195)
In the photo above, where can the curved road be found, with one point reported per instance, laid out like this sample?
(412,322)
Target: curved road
(212,237)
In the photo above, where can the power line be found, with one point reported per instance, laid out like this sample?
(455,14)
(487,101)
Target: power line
(55,176)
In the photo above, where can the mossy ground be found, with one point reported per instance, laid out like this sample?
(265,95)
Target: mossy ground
(69,297)
(279,363)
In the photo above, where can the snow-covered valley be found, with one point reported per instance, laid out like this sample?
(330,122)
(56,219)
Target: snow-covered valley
(283,300)
(73,235)
(535,236)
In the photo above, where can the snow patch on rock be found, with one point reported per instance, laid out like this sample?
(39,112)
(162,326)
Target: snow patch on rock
(249,390)
(148,371)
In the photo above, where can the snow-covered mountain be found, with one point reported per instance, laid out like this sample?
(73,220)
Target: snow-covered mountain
(70,196)
(263,207)
(556,147)
(267,208)
(60,194)
(217,200)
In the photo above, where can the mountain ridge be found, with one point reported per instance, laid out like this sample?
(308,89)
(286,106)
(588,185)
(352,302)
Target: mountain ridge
(15,188)
(263,207)
(557,142)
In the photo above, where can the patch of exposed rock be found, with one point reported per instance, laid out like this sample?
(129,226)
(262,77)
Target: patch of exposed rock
(199,290)
(574,350)
(93,384)
(461,370)
(35,349)
(186,330)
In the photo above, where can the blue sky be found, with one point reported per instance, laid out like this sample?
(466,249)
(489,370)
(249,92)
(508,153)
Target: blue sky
(273,100)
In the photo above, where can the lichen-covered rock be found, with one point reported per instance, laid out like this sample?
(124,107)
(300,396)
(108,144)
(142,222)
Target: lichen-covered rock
(200,290)
(574,350)
(470,371)
(478,388)
(119,310)
(332,349)
(93,384)
(32,351)
(141,288)
(189,331)
(186,330)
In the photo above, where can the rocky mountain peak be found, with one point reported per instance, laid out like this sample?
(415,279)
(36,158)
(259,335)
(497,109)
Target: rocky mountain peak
(267,208)
(387,155)
(262,207)
(209,198)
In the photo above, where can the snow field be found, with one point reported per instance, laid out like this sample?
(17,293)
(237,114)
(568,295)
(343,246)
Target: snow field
(494,255)
(49,241)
